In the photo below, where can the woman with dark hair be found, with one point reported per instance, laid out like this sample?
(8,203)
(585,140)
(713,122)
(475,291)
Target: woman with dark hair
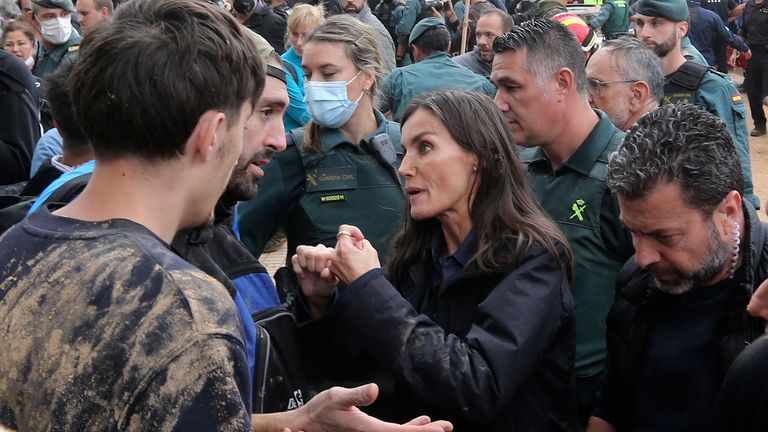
(478,326)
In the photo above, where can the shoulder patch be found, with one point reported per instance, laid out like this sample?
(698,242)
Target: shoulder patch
(737,99)
(73,48)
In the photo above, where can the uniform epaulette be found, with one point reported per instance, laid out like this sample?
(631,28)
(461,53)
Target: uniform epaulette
(717,72)
(73,48)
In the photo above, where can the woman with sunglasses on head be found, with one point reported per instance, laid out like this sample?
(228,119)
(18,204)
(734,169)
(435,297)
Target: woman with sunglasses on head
(475,316)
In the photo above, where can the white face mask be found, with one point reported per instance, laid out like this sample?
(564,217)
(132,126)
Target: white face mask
(30,61)
(56,30)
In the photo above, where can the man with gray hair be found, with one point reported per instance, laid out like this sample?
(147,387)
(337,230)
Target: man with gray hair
(625,80)
(538,69)
(680,316)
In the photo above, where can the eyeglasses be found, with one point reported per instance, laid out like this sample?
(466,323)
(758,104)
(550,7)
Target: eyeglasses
(596,86)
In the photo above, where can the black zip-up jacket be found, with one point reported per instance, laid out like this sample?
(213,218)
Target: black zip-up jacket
(490,352)
(19,119)
(268,25)
(755,28)
(633,311)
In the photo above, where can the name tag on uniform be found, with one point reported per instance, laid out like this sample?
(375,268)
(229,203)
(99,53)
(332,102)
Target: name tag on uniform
(332,198)
(324,179)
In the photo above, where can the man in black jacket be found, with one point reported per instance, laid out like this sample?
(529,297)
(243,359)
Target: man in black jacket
(680,317)
(19,119)
(260,18)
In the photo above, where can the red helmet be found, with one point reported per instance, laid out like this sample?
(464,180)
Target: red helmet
(578,27)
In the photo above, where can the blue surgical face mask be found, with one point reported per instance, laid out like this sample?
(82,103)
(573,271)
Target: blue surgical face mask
(327,102)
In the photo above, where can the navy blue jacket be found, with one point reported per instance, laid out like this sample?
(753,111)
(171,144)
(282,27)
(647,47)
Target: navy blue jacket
(490,351)
(707,31)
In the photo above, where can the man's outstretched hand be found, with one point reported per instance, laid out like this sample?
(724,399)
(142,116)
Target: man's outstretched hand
(335,410)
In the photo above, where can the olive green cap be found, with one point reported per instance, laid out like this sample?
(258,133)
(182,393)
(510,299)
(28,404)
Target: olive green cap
(422,26)
(61,4)
(673,10)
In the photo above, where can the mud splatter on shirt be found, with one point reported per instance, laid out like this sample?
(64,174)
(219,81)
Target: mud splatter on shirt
(102,327)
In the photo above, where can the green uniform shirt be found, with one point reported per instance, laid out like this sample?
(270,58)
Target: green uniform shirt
(47,61)
(718,95)
(407,82)
(613,18)
(310,195)
(409,19)
(579,201)
(690,52)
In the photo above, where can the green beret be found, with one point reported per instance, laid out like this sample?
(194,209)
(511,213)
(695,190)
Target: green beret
(422,26)
(673,10)
(61,4)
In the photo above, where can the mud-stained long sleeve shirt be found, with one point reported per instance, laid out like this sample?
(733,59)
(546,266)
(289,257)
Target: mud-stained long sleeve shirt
(103,327)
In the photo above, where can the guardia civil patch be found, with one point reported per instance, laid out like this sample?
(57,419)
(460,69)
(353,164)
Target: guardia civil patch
(337,178)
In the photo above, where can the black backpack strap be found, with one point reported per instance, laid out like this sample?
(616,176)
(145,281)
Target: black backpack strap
(689,75)
(288,66)
(14,208)
(69,190)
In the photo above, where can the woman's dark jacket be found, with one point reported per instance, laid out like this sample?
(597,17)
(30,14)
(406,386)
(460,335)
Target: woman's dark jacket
(489,352)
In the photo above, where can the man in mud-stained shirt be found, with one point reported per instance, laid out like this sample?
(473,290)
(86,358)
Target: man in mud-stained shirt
(102,326)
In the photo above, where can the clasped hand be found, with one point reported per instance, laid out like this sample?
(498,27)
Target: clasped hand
(319,268)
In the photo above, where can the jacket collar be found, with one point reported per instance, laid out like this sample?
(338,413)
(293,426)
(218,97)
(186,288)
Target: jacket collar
(585,157)
(756,237)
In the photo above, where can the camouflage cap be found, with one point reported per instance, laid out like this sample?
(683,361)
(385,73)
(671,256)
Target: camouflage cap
(673,10)
(61,4)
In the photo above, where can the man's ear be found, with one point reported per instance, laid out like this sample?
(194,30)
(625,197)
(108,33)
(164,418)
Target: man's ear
(641,92)
(416,53)
(205,139)
(565,81)
(729,210)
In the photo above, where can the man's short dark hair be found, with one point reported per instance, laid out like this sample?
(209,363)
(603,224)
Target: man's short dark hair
(677,143)
(141,83)
(549,46)
(507,23)
(434,39)
(56,90)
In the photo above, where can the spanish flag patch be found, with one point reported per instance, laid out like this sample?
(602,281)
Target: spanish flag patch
(736,98)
